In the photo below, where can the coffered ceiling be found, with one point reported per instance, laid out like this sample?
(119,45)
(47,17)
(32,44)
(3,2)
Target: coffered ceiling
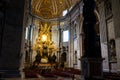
(49,9)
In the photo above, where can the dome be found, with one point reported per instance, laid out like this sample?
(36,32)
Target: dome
(50,9)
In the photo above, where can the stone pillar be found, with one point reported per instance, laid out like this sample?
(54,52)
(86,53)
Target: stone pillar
(91,59)
(2,20)
(71,45)
(103,36)
(55,40)
(11,38)
(59,40)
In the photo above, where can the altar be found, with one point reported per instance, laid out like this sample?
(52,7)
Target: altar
(47,65)
(45,48)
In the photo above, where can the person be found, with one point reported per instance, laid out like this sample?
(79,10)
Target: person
(63,59)
(50,58)
(54,58)
(45,50)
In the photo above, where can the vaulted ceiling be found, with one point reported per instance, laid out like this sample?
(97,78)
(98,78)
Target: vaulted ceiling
(49,9)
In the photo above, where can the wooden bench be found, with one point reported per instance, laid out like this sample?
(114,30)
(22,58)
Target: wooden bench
(73,71)
(67,72)
(111,76)
(31,73)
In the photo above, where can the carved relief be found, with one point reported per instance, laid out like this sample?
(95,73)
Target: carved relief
(112,51)
(111,41)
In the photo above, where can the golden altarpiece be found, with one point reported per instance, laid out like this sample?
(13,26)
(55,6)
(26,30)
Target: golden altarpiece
(44,47)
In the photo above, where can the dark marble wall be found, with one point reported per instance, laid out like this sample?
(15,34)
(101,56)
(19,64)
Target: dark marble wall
(11,33)
(116,17)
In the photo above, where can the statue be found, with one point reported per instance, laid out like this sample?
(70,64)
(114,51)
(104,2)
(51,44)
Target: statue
(54,58)
(112,52)
(44,50)
(37,59)
(63,59)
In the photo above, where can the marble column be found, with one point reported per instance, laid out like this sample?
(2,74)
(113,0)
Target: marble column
(91,60)
(71,45)
(60,41)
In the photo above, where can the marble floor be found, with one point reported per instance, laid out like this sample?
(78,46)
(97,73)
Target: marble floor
(60,78)
(77,77)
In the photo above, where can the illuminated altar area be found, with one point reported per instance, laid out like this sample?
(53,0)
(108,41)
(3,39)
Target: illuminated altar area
(44,46)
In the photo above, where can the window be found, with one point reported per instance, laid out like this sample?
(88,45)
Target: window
(65,36)
(26,33)
(64,12)
(29,33)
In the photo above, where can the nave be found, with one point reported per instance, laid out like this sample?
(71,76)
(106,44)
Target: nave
(51,39)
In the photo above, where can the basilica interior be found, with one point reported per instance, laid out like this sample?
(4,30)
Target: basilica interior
(59,40)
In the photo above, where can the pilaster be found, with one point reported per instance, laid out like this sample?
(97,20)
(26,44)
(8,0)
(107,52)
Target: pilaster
(103,36)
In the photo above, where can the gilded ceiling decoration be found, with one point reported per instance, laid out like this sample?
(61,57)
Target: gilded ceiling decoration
(49,9)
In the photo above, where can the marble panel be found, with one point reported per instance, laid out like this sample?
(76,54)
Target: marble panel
(104,50)
(118,53)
